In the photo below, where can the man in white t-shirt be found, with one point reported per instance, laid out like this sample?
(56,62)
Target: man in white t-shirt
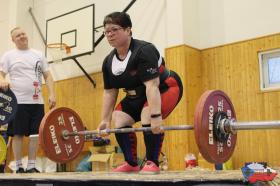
(26,67)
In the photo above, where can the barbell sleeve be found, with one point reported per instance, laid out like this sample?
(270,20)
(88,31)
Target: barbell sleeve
(232,126)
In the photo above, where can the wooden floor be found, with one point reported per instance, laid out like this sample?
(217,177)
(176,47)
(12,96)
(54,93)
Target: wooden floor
(174,178)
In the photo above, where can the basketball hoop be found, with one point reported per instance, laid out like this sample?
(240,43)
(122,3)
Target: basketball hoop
(57,51)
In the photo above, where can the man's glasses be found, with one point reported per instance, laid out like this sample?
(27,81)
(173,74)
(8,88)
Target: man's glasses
(112,31)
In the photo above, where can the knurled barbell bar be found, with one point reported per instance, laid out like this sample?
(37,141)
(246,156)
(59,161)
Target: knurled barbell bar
(62,133)
(66,134)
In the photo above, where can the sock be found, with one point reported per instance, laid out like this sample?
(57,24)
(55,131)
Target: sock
(30,164)
(153,143)
(128,144)
(18,164)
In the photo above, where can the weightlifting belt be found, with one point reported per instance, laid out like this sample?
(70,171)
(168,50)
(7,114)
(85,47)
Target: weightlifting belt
(136,92)
(141,90)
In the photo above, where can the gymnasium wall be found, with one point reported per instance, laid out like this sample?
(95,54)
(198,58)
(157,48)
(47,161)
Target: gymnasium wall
(234,68)
(224,22)
(166,23)
(186,61)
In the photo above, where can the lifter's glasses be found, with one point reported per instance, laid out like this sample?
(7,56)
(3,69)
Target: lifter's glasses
(112,31)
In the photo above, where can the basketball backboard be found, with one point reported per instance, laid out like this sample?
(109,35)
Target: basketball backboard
(75,29)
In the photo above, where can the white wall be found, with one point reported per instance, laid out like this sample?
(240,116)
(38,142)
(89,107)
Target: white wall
(7,22)
(4,22)
(166,23)
(174,23)
(190,16)
(227,21)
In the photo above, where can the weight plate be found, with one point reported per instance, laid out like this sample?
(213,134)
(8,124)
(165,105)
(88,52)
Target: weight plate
(8,106)
(55,146)
(209,104)
(3,149)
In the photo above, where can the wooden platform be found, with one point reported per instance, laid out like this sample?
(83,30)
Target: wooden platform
(175,178)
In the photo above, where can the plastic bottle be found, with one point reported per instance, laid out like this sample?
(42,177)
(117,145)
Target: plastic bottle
(164,165)
(190,160)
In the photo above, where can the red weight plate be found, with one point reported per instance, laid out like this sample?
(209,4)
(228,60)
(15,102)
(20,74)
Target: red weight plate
(52,142)
(210,103)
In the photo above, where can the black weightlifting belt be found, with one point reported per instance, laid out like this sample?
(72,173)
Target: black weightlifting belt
(141,90)
(136,92)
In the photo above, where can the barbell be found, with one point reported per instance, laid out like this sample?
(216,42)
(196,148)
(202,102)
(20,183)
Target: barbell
(62,133)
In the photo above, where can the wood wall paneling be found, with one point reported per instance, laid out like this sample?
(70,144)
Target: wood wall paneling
(238,62)
(185,61)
